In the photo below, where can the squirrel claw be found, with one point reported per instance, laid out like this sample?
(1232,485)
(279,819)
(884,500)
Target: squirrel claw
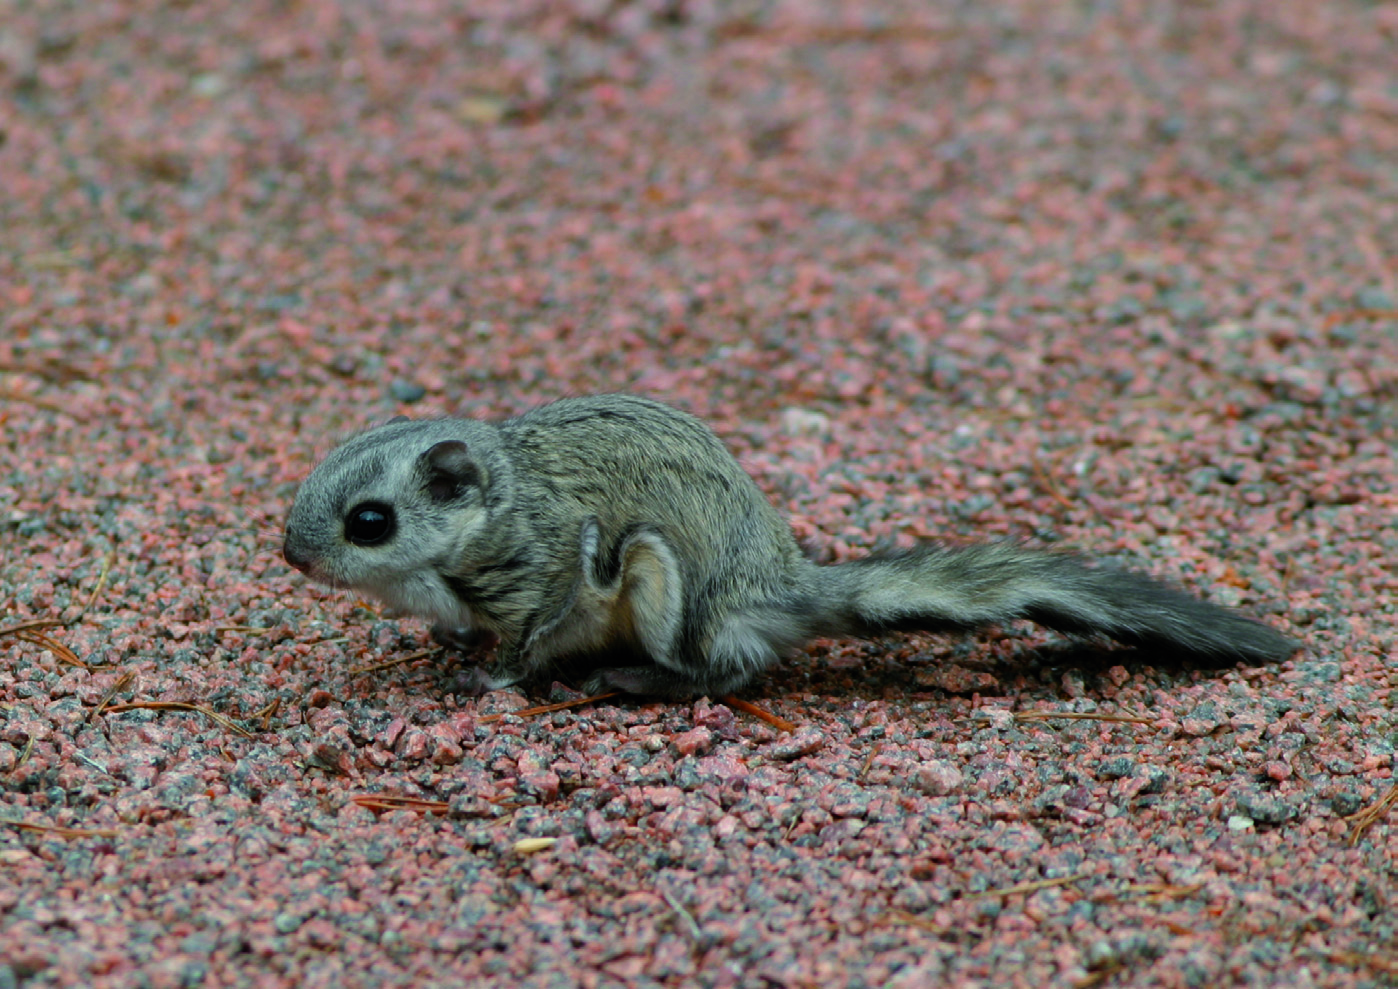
(476,681)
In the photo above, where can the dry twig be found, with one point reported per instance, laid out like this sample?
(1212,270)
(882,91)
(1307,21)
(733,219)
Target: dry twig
(266,713)
(781,724)
(1046,481)
(388,802)
(1369,816)
(122,683)
(107,562)
(906,919)
(209,713)
(61,652)
(1159,892)
(1355,315)
(1033,887)
(397,661)
(24,755)
(63,832)
(33,623)
(1357,959)
(529,712)
(1126,719)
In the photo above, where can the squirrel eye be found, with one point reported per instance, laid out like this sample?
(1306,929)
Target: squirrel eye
(369,524)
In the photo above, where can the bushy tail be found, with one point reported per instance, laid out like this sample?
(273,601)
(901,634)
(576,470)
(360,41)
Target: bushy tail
(934,588)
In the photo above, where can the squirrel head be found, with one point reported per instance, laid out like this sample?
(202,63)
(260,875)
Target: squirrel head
(390,511)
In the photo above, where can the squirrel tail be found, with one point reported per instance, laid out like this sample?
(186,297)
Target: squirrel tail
(934,588)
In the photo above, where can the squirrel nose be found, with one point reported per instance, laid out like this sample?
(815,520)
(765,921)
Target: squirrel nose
(296,556)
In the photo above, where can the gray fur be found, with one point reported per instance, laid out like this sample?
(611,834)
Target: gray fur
(614,525)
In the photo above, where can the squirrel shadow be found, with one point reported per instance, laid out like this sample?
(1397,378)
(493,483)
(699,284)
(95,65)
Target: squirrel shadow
(1035,669)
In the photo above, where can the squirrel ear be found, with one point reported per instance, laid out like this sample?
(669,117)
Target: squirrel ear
(397,419)
(450,470)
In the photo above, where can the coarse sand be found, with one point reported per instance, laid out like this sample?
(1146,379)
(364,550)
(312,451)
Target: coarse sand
(1119,277)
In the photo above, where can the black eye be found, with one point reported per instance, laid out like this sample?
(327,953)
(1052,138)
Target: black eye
(369,524)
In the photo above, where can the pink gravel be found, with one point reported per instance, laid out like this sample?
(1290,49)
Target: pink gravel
(1117,277)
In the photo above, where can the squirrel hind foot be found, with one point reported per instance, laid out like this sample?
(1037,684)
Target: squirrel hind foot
(651,680)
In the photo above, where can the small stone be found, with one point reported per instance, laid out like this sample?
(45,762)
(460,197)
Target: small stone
(696,741)
(407,392)
(937,778)
(800,422)
(1203,720)
(798,745)
(1115,769)
(287,922)
(1154,779)
(1265,808)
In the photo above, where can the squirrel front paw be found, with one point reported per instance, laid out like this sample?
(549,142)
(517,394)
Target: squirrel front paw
(463,638)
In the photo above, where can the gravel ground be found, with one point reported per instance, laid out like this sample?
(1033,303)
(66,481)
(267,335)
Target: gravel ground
(1119,277)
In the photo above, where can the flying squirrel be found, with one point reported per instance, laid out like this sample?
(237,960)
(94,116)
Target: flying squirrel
(621,529)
